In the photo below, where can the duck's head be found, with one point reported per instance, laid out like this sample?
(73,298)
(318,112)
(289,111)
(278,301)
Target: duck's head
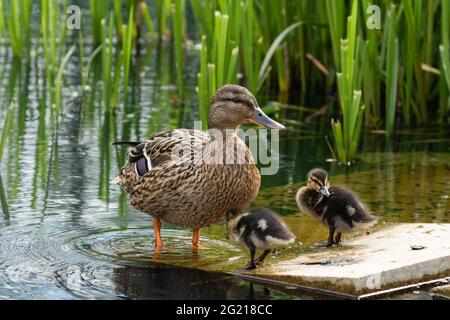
(233,105)
(318,181)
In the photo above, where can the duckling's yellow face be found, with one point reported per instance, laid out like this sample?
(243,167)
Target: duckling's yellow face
(318,181)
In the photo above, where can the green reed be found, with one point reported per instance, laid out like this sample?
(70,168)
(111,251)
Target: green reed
(98,10)
(117,5)
(392,72)
(18,14)
(2,21)
(148,19)
(5,129)
(218,63)
(128,36)
(162,14)
(347,134)
(177,12)
(107,57)
(3,202)
(296,47)
(444,50)
(59,80)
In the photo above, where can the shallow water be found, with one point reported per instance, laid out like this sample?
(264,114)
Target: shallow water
(67,231)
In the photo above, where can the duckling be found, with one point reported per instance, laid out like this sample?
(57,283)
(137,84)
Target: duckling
(260,228)
(337,208)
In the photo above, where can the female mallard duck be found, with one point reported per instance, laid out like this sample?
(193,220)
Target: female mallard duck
(338,209)
(259,229)
(192,178)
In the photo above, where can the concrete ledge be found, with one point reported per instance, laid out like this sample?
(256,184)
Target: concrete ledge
(395,256)
(443,291)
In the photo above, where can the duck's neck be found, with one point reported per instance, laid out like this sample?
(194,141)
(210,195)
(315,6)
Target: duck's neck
(222,132)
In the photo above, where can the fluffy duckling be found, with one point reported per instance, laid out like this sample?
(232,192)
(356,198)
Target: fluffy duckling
(337,208)
(259,229)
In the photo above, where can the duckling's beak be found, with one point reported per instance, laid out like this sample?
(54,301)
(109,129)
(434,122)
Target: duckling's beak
(259,117)
(325,192)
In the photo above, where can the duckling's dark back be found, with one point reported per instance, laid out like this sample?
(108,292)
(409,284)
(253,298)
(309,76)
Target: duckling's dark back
(264,225)
(344,204)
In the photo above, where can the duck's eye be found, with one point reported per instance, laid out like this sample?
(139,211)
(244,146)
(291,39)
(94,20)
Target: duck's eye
(141,166)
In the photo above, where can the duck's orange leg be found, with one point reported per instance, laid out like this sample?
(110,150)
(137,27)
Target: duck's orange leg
(157,231)
(196,238)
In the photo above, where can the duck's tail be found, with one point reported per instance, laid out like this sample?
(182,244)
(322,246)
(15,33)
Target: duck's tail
(125,143)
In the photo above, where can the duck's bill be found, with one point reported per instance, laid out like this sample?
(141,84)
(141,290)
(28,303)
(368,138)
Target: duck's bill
(260,118)
(325,192)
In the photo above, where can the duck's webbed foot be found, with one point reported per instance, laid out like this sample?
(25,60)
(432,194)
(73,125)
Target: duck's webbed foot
(262,256)
(250,265)
(330,240)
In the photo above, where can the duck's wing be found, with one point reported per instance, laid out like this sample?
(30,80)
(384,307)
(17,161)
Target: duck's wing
(167,145)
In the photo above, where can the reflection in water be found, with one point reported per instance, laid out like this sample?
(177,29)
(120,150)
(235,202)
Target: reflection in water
(184,284)
(3,203)
(67,232)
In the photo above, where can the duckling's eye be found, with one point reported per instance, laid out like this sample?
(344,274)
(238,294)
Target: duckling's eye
(141,167)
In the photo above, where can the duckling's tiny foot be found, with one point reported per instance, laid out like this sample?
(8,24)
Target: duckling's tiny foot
(262,257)
(250,265)
(337,239)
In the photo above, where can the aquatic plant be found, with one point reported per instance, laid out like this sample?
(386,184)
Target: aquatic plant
(59,80)
(177,11)
(98,10)
(162,13)
(107,56)
(128,36)
(19,25)
(444,50)
(148,19)
(399,68)
(7,123)
(347,135)
(392,72)
(294,47)
(218,63)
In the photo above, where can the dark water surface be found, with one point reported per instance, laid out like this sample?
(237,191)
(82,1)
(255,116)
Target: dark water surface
(67,231)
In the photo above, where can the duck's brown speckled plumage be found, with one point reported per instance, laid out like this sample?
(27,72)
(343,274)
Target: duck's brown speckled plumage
(189,192)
